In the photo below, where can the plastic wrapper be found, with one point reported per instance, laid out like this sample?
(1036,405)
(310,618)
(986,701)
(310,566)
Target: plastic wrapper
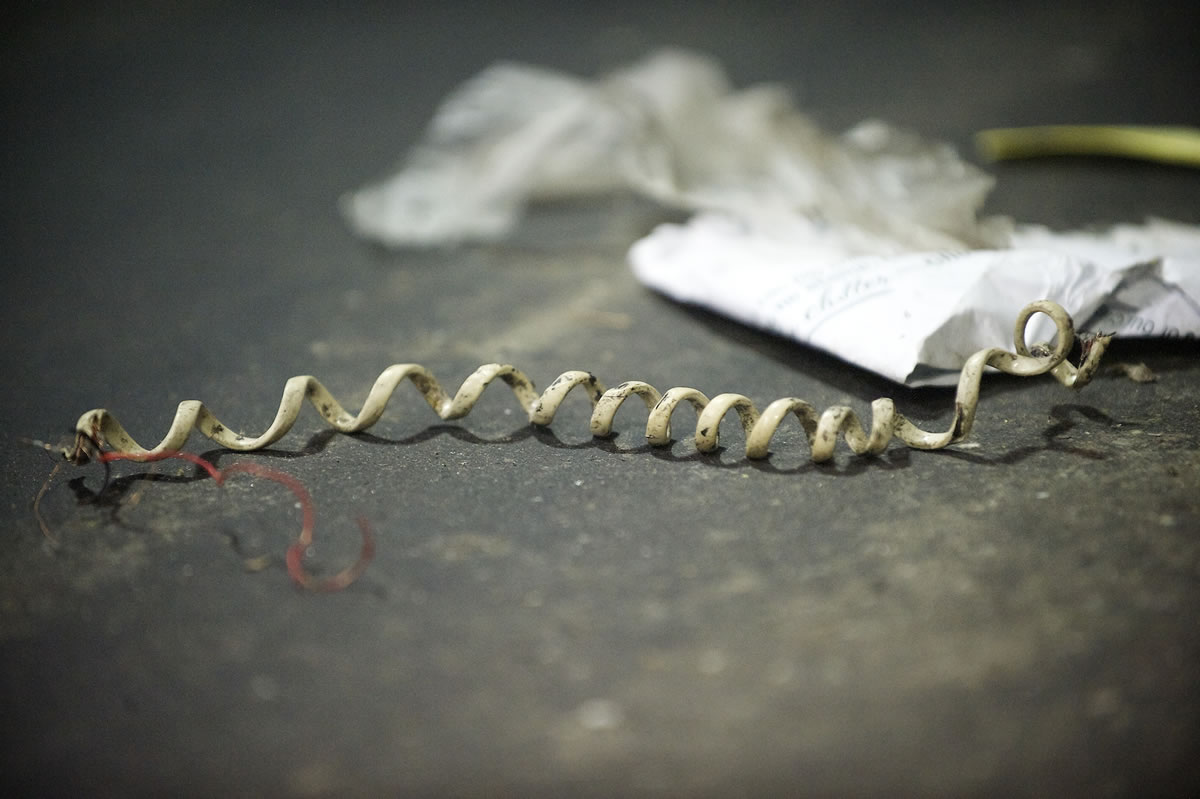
(672,128)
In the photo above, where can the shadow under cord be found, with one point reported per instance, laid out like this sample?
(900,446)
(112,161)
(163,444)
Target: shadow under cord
(895,457)
(1051,436)
(113,490)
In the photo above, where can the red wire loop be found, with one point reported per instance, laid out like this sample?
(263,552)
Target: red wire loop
(295,552)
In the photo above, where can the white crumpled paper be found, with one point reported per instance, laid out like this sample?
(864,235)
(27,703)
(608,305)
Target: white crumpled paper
(867,244)
(916,317)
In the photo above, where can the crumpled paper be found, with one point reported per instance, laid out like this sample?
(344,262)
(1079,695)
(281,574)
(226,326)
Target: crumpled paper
(917,317)
(867,244)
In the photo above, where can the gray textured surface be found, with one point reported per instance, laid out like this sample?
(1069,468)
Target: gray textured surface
(548,614)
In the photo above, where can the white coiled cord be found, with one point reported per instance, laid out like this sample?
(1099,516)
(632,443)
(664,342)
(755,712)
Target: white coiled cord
(98,429)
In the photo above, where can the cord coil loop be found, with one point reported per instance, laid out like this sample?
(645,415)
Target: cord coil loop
(98,428)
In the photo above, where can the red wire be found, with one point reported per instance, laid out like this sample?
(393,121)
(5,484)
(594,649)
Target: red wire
(295,553)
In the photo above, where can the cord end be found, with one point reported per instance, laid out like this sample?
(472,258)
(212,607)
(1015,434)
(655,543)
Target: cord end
(1093,347)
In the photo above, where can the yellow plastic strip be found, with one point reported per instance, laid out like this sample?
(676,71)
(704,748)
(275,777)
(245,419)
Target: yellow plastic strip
(1169,145)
